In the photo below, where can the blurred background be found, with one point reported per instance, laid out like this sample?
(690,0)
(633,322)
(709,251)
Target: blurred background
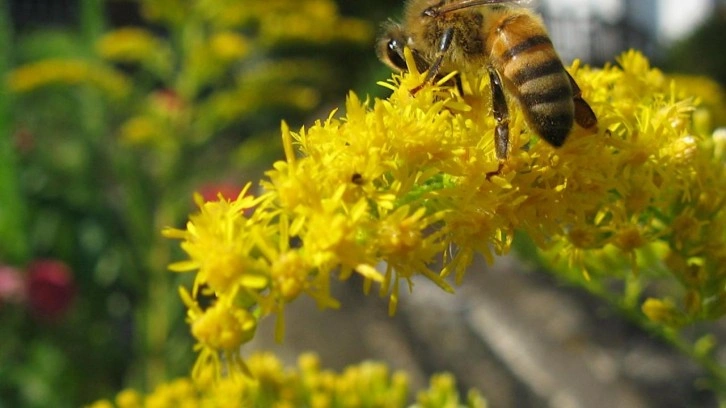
(113,113)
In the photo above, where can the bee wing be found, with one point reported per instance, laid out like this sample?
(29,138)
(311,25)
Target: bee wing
(527,3)
(463,4)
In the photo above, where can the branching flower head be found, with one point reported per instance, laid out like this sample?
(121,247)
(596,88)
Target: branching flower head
(399,185)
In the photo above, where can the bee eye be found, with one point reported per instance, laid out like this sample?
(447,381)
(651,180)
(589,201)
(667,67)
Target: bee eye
(394,52)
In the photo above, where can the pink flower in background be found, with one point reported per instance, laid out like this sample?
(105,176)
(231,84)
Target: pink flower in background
(12,285)
(50,288)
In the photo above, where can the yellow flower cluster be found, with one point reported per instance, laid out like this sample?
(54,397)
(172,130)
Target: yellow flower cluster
(397,186)
(139,46)
(221,46)
(368,384)
(286,21)
(68,72)
(210,46)
(711,111)
(662,191)
(275,21)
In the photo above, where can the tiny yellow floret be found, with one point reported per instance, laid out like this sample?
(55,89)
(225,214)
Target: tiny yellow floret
(224,329)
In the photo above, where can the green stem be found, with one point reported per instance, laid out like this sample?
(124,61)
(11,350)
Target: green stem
(139,215)
(708,362)
(671,336)
(159,290)
(93,22)
(94,114)
(14,246)
(142,217)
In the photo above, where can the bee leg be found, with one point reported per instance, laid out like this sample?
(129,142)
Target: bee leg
(458,84)
(501,114)
(444,44)
(584,116)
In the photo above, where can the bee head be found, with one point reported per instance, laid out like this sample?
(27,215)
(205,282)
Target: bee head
(390,46)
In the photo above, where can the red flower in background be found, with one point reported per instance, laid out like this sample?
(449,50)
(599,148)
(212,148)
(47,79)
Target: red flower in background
(50,288)
(229,191)
(167,101)
(24,140)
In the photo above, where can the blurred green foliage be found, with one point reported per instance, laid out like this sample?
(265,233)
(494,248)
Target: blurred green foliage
(106,133)
(701,52)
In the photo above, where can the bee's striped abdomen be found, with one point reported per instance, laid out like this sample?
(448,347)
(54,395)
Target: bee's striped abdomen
(523,54)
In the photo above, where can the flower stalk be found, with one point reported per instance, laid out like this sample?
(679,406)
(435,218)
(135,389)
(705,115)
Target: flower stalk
(13,228)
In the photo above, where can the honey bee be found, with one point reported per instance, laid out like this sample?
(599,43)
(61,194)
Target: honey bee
(510,42)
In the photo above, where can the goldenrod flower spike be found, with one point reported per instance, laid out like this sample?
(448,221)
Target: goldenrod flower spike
(39,74)
(368,384)
(396,185)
